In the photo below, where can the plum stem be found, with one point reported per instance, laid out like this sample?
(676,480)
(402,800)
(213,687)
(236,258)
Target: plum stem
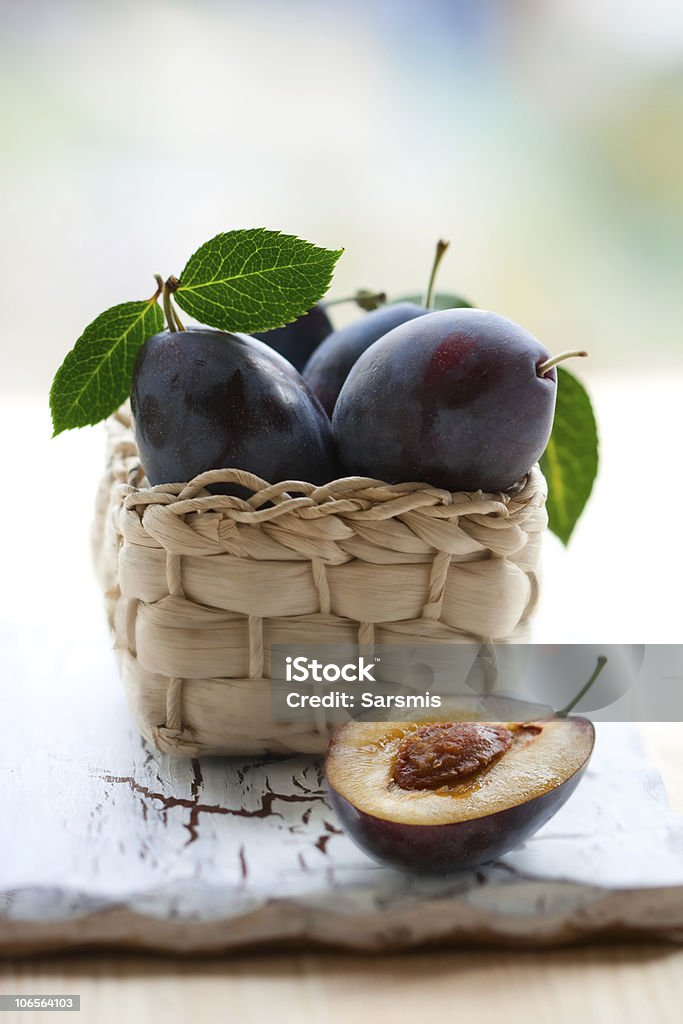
(363,298)
(170,312)
(602,661)
(441,247)
(543,368)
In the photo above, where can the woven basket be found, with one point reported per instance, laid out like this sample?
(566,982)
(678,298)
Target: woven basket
(199,586)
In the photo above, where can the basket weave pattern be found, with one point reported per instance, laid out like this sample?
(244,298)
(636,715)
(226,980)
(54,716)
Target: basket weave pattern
(198,586)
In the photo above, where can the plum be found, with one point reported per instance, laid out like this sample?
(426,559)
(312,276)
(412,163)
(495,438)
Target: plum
(330,363)
(204,399)
(296,341)
(462,399)
(446,795)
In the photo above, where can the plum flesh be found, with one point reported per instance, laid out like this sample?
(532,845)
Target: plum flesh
(459,826)
(454,399)
(202,399)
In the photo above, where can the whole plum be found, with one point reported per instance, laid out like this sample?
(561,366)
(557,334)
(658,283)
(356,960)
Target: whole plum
(296,341)
(203,399)
(329,365)
(460,399)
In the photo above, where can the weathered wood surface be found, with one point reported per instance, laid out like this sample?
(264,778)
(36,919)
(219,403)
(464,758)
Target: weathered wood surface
(105,842)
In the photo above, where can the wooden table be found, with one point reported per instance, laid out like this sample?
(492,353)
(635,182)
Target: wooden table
(628,983)
(635,985)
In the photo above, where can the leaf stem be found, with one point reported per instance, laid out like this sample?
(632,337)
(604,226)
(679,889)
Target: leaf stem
(176,317)
(441,247)
(602,661)
(170,312)
(543,368)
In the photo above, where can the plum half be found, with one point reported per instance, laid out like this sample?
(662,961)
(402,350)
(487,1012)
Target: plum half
(442,796)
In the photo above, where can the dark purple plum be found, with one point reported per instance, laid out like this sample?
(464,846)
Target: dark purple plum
(329,366)
(460,399)
(296,341)
(331,362)
(203,400)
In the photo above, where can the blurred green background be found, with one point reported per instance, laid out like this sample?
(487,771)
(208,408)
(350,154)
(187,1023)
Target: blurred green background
(544,139)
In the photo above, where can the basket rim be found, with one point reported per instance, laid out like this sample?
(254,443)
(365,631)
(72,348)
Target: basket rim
(345,495)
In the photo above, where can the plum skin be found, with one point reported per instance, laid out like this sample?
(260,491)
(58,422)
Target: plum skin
(444,848)
(298,340)
(329,365)
(203,399)
(453,399)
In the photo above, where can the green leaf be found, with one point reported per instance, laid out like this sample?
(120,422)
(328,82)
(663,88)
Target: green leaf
(570,462)
(442,300)
(254,280)
(95,377)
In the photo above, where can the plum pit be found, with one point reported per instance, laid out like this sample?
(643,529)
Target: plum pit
(445,753)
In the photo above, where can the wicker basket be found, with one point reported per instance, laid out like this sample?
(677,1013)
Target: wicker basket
(199,586)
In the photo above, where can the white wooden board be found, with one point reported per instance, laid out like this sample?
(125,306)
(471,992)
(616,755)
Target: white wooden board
(105,842)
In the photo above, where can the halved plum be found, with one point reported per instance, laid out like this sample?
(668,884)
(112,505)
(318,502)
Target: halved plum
(443,795)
